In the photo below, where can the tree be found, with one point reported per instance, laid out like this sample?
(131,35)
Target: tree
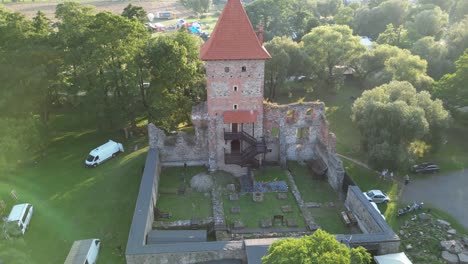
(394,36)
(328,8)
(136,12)
(328,47)
(428,23)
(273,15)
(292,18)
(109,67)
(459,11)
(453,87)
(443,4)
(407,67)
(436,55)
(373,21)
(174,71)
(385,63)
(457,39)
(287,59)
(197,6)
(345,16)
(318,248)
(393,116)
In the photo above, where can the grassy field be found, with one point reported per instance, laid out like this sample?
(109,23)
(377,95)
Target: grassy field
(311,190)
(252,212)
(72,202)
(182,207)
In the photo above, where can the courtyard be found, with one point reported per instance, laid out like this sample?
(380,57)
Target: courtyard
(270,209)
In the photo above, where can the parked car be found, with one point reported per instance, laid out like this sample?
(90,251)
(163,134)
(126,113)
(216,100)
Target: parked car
(84,252)
(376,196)
(425,167)
(19,218)
(377,209)
(103,153)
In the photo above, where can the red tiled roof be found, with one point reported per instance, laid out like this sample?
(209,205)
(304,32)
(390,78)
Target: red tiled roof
(240,116)
(233,37)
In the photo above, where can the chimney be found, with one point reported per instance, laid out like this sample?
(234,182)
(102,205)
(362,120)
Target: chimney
(260,33)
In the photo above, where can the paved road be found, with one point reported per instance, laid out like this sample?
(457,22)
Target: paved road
(448,192)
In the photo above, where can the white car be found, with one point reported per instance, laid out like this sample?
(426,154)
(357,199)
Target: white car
(377,209)
(376,196)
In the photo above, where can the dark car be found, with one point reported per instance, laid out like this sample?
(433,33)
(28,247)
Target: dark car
(426,167)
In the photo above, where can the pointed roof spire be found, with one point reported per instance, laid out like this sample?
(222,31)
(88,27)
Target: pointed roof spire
(233,37)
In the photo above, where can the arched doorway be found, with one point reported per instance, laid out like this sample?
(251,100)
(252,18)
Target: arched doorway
(235,146)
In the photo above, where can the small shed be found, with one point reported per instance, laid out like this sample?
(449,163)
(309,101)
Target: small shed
(397,258)
(176,236)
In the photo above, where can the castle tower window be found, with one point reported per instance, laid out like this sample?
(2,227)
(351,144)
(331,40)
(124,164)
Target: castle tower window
(235,88)
(244,69)
(226,69)
(234,107)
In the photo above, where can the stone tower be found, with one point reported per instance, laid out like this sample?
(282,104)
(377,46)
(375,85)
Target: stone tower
(235,61)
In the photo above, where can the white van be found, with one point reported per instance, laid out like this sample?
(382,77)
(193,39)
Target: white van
(84,252)
(19,218)
(102,153)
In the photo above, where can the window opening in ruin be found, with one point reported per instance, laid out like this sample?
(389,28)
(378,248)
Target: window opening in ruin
(302,132)
(234,107)
(290,116)
(226,69)
(274,132)
(234,88)
(244,69)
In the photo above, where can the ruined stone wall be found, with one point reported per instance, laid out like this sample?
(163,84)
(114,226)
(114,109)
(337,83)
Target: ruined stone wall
(296,128)
(300,132)
(182,147)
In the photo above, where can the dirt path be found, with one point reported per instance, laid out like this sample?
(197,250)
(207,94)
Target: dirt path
(30,9)
(448,192)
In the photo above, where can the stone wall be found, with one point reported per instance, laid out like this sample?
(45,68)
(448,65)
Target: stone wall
(300,132)
(182,147)
(378,235)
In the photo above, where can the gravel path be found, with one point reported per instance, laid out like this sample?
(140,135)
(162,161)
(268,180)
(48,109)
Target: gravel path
(448,192)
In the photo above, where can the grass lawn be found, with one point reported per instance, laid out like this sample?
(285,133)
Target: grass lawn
(72,202)
(311,190)
(182,207)
(252,212)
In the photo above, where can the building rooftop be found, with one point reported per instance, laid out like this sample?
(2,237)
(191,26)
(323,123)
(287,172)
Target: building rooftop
(233,37)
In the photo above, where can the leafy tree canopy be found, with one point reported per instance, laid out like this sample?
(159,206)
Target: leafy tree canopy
(453,87)
(136,12)
(318,248)
(393,116)
(328,47)
(436,55)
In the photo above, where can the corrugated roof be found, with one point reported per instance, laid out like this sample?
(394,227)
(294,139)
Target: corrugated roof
(233,37)
(240,116)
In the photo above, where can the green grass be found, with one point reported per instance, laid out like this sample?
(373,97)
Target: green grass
(252,212)
(72,202)
(311,190)
(269,175)
(329,219)
(182,207)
